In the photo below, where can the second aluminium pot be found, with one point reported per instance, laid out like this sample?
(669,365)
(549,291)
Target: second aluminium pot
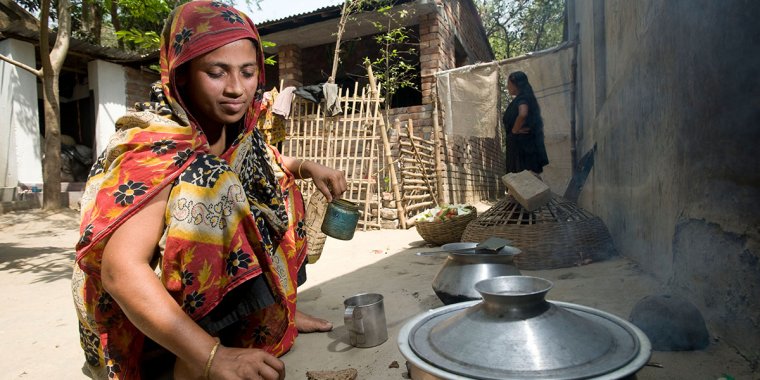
(514,333)
(465,266)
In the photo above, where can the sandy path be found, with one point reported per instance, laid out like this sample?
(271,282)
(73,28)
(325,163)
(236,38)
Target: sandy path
(38,325)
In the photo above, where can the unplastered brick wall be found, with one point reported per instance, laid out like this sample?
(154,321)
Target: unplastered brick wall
(421,116)
(463,20)
(433,54)
(290,65)
(474,166)
(138,85)
(422,124)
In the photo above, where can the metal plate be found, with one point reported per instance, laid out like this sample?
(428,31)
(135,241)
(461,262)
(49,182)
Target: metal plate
(469,248)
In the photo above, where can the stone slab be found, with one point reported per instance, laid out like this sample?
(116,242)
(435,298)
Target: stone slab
(527,189)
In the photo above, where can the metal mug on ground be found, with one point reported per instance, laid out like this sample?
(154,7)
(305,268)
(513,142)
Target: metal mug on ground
(364,318)
(341,219)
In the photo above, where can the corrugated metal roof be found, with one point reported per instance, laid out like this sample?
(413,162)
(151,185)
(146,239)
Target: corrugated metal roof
(315,11)
(306,18)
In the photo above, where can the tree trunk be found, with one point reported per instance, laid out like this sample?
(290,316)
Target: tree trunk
(86,16)
(115,20)
(92,20)
(540,33)
(97,23)
(51,170)
(52,61)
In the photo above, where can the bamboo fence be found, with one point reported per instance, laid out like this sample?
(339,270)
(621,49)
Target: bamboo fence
(419,185)
(348,142)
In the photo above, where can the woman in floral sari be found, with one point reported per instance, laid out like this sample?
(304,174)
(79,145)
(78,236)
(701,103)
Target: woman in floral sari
(192,241)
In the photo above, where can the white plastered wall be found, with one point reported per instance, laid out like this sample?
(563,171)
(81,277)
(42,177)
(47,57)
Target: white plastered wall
(108,83)
(20,146)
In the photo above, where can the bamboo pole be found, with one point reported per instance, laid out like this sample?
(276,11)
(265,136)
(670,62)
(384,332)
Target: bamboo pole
(438,134)
(341,28)
(387,149)
(366,109)
(410,131)
(421,205)
(405,201)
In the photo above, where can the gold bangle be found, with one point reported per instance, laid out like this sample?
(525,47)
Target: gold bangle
(207,371)
(299,169)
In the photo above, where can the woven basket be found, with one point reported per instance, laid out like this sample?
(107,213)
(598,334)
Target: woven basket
(447,231)
(557,235)
(315,214)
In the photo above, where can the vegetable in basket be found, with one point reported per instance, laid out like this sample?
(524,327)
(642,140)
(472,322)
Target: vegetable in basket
(442,213)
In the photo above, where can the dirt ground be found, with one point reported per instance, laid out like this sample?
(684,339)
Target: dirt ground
(38,325)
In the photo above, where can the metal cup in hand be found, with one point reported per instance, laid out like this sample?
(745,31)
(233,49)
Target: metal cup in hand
(341,219)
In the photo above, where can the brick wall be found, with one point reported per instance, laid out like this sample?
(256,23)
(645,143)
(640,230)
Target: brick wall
(421,116)
(467,27)
(436,52)
(138,85)
(474,166)
(290,65)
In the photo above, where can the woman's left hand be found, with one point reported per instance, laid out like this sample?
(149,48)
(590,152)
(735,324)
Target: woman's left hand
(331,182)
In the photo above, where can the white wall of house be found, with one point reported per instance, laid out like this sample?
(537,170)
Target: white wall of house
(107,81)
(20,146)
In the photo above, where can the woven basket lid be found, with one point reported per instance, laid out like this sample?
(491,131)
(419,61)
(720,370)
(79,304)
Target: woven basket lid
(558,235)
(509,211)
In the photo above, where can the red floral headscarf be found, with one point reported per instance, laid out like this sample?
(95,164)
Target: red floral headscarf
(143,159)
(196,28)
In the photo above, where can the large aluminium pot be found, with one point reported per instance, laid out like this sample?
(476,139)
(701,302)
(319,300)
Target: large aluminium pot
(465,266)
(514,333)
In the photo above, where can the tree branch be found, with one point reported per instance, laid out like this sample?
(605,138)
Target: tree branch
(37,73)
(540,32)
(62,38)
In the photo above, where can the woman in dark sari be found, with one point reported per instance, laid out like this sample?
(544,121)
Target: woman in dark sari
(525,127)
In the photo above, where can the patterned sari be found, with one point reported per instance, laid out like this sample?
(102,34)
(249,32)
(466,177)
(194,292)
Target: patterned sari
(234,240)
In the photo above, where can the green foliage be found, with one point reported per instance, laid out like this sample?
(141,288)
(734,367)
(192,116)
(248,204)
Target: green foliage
(268,60)
(142,21)
(517,27)
(142,41)
(146,13)
(139,21)
(395,66)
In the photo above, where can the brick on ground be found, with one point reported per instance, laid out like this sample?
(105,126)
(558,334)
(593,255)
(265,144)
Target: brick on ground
(343,374)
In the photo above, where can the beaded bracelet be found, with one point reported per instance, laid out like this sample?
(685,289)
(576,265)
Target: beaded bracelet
(206,372)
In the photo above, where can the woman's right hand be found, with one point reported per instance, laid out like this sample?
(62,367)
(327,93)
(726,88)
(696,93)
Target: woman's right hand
(245,363)
(331,182)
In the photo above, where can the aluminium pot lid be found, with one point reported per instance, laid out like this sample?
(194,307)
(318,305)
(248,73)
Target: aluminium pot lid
(514,333)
